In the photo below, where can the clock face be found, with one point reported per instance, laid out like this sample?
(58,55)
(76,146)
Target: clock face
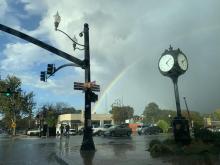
(166,63)
(182,62)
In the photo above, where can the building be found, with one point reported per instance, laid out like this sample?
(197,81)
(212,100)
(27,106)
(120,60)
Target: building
(77,120)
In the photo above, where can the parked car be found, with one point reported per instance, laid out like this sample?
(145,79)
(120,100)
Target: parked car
(72,132)
(140,128)
(118,130)
(80,131)
(213,129)
(33,132)
(100,130)
(152,130)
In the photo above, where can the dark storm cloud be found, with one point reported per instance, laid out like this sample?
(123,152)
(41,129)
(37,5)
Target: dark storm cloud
(191,26)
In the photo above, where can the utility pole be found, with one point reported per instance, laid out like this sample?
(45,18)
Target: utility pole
(190,120)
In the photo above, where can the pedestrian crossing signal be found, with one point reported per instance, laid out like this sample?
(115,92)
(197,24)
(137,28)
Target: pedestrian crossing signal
(93,97)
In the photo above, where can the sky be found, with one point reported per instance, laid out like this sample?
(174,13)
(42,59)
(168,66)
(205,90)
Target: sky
(127,39)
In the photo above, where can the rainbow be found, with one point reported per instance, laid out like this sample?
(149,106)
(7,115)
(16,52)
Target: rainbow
(113,83)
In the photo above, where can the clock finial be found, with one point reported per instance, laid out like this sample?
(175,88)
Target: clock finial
(171,48)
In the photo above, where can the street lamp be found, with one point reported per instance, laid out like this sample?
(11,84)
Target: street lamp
(87,143)
(57,20)
(169,116)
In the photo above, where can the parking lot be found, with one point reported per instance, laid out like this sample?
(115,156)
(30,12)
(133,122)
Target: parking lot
(109,150)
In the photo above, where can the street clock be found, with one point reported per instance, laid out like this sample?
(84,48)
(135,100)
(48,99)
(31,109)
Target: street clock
(173,63)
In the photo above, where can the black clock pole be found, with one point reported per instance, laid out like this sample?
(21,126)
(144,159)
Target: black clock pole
(176,91)
(180,124)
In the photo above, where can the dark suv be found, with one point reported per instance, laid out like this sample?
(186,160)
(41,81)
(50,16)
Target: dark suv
(152,130)
(140,128)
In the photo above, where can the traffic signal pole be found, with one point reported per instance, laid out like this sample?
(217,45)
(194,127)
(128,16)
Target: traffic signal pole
(87,144)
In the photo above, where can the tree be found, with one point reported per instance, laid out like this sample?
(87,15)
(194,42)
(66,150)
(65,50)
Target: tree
(28,105)
(120,114)
(49,114)
(197,119)
(63,108)
(151,113)
(14,105)
(10,103)
(216,114)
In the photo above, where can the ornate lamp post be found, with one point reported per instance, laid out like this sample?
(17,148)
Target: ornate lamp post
(174,63)
(88,143)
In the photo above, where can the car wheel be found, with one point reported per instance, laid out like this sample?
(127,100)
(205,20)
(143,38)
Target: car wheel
(99,133)
(112,134)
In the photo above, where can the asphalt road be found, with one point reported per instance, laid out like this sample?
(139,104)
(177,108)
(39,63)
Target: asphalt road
(66,151)
(33,150)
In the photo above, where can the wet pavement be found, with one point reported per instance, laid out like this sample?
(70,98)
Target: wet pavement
(24,150)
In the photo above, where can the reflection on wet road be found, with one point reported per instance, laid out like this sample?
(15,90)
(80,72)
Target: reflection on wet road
(66,151)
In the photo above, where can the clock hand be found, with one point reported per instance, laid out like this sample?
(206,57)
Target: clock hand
(168,61)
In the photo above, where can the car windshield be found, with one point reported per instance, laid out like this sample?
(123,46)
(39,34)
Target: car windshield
(107,126)
(114,126)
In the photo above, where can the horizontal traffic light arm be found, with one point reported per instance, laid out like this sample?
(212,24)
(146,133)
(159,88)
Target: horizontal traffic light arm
(43,45)
(63,66)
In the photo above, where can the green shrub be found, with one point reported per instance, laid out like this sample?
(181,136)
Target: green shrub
(207,136)
(156,148)
(204,135)
(169,141)
(163,125)
(160,150)
(197,147)
(153,142)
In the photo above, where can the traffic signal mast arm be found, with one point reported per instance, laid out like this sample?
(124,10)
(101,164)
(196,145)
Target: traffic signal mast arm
(54,70)
(43,45)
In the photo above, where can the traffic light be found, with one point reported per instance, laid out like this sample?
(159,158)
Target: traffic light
(43,76)
(50,69)
(93,97)
(8,92)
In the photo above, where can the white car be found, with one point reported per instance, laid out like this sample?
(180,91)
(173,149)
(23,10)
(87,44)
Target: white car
(100,130)
(72,132)
(33,132)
